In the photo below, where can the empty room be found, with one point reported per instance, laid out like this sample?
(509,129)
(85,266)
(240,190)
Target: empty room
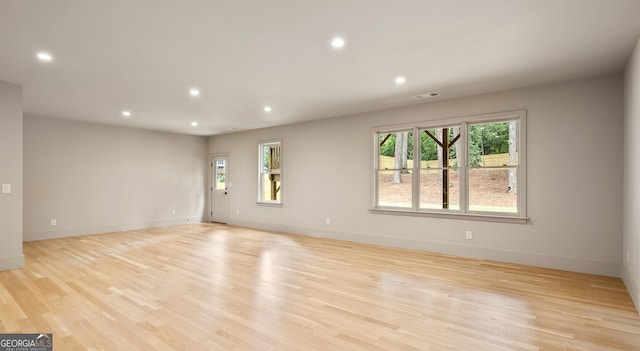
(320,175)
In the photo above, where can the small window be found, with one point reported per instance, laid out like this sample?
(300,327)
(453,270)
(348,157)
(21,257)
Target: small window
(270,172)
(469,166)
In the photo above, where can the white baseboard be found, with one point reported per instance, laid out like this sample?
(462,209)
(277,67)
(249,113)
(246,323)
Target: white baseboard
(66,232)
(611,269)
(632,285)
(11,262)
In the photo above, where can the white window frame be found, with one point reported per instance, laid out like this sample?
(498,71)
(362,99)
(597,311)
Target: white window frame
(261,190)
(463,213)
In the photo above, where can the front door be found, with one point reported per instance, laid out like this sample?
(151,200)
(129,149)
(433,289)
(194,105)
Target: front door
(219,189)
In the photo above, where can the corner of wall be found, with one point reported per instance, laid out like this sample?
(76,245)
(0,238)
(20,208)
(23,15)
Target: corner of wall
(147,179)
(631,198)
(632,286)
(11,262)
(11,141)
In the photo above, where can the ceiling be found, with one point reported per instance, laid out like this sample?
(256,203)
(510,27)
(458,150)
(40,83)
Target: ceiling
(144,55)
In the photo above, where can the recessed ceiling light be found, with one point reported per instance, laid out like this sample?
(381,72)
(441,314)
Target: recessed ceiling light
(194,124)
(337,43)
(126,113)
(44,56)
(267,109)
(400,80)
(194,92)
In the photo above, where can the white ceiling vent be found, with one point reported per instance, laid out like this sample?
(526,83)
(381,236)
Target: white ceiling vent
(426,95)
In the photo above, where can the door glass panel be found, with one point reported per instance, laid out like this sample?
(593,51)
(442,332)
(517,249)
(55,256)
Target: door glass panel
(220,177)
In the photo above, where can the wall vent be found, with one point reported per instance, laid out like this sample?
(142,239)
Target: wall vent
(426,95)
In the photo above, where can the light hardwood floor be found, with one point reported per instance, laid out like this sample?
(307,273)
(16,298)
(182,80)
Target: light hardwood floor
(217,287)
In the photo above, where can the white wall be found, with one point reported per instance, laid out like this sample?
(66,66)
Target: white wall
(93,178)
(11,173)
(631,202)
(574,180)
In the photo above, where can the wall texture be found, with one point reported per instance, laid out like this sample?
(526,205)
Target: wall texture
(93,178)
(11,173)
(631,201)
(574,189)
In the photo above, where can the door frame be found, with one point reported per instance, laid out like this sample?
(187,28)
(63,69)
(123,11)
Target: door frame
(212,171)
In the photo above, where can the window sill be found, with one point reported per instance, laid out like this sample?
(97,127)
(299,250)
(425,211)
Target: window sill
(463,216)
(269,204)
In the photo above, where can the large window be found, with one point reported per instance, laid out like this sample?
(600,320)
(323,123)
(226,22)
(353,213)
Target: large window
(471,166)
(270,172)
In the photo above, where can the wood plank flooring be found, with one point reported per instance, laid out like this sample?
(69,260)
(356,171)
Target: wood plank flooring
(217,287)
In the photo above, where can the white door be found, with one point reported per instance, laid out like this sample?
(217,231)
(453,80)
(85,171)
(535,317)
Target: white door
(219,189)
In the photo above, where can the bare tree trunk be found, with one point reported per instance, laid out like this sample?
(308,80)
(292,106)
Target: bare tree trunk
(397,159)
(513,179)
(405,146)
(439,153)
(456,131)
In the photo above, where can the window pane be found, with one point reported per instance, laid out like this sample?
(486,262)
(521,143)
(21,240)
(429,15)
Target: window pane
(439,178)
(274,159)
(396,150)
(432,190)
(270,187)
(493,144)
(432,150)
(265,159)
(394,188)
(489,190)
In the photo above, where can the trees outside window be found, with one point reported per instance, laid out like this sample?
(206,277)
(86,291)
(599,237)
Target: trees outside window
(473,165)
(439,182)
(395,174)
(493,175)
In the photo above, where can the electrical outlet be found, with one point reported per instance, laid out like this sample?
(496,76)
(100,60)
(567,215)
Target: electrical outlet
(54,222)
(469,235)
(173,212)
(6,188)
(328,221)
(237,212)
